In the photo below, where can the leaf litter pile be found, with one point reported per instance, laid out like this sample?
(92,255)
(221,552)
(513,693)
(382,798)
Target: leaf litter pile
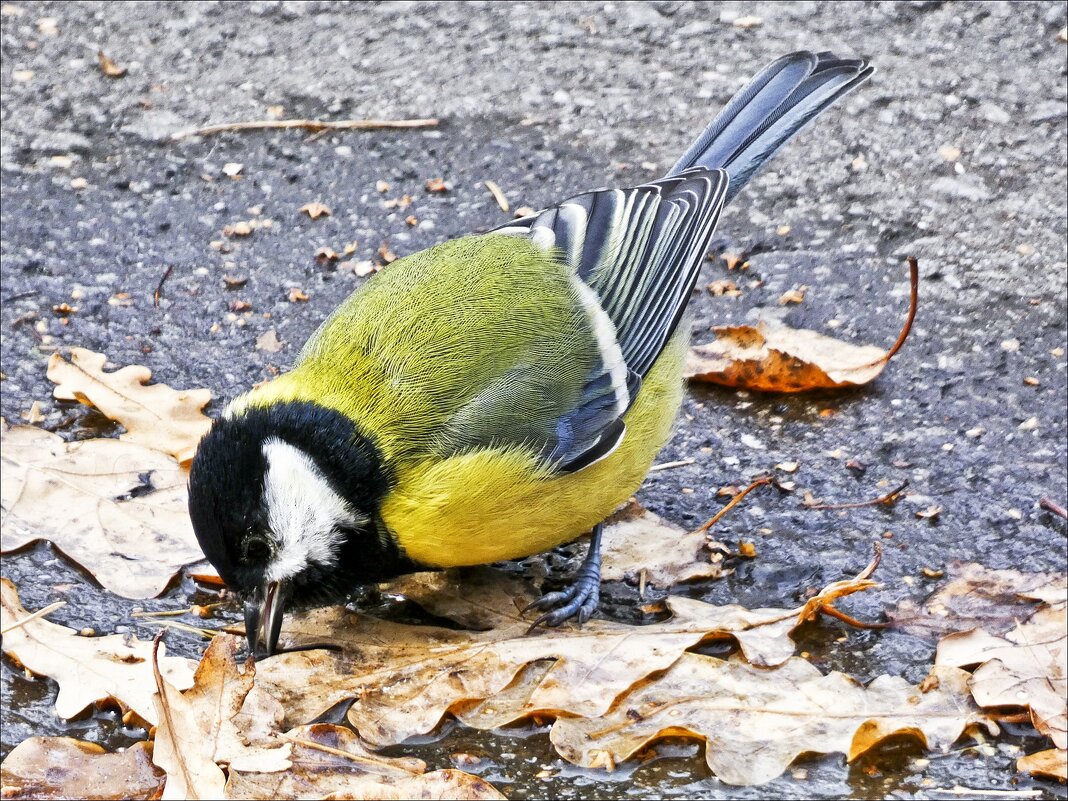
(228,727)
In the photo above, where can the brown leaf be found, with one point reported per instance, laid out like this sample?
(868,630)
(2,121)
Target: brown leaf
(638,540)
(87,669)
(62,767)
(385,254)
(755,721)
(1051,763)
(315,210)
(973,597)
(436,185)
(155,416)
(796,295)
(223,719)
(330,762)
(116,508)
(782,359)
(109,67)
(1028,667)
(186,758)
(404,678)
(724,287)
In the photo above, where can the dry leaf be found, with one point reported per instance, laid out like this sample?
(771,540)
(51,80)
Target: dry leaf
(976,596)
(330,762)
(1026,668)
(109,67)
(155,416)
(298,295)
(116,508)
(796,295)
(405,678)
(315,210)
(755,721)
(87,669)
(222,720)
(436,185)
(268,341)
(782,359)
(638,540)
(1052,763)
(930,512)
(187,760)
(724,287)
(62,767)
(385,254)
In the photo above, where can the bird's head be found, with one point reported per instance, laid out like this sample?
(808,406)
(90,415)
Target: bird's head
(284,501)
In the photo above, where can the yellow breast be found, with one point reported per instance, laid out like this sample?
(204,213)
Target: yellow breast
(491,505)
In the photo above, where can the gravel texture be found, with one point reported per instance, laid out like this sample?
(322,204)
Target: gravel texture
(954,152)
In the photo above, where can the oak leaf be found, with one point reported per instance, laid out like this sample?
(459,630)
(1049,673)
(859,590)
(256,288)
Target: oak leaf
(155,416)
(330,762)
(1028,667)
(87,669)
(636,540)
(1051,763)
(117,508)
(976,596)
(755,721)
(62,767)
(404,678)
(782,359)
(222,719)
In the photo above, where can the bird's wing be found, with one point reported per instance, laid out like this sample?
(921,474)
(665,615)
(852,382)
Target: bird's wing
(640,250)
(636,254)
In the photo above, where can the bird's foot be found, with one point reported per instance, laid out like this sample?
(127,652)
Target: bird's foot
(578,601)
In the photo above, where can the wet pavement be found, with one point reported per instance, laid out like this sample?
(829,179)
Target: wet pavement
(954,152)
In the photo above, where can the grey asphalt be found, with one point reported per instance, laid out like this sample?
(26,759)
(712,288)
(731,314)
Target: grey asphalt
(954,152)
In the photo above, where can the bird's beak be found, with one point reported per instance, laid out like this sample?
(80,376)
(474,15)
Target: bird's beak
(263,619)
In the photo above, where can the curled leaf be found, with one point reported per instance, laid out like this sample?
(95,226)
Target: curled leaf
(782,359)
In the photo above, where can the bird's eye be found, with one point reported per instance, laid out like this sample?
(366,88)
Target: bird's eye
(257,549)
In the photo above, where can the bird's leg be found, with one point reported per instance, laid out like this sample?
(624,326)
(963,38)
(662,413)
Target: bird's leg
(580,600)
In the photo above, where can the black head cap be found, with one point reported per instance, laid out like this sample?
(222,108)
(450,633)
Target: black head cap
(229,512)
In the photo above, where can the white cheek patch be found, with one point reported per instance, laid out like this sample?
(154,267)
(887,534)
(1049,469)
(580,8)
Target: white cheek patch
(303,511)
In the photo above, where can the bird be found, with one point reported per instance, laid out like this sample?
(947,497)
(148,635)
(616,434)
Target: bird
(490,397)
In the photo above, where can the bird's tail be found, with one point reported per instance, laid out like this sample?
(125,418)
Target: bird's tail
(784,97)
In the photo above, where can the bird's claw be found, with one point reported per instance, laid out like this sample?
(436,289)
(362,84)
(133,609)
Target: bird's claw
(578,601)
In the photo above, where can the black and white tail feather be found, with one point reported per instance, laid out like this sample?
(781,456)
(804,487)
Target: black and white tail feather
(637,252)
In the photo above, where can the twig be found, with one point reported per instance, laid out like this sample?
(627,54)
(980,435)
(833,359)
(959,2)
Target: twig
(172,612)
(971,791)
(1050,506)
(498,195)
(889,498)
(159,287)
(378,763)
(207,634)
(850,620)
(758,482)
(308,125)
(671,465)
(47,610)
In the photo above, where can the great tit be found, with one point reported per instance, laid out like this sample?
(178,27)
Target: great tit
(490,397)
